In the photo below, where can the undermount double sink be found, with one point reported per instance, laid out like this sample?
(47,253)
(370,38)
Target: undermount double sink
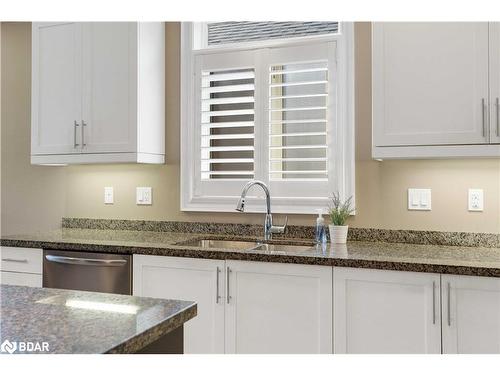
(207,244)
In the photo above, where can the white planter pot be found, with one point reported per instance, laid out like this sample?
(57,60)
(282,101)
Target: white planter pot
(338,233)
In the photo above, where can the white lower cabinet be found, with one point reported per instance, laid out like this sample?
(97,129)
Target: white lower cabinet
(260,307)
(244,307)
(21,266)
(198,280)
(378,311)
(471,314)
(19,278)
(278,308)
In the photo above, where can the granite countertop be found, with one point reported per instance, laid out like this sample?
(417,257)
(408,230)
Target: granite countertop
(479,261)
(85,322)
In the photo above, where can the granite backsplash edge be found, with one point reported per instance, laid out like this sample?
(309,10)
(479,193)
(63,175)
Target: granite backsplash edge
(293,231)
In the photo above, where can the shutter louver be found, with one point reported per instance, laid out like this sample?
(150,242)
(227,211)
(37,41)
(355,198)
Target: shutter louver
(227,124)
(298,106)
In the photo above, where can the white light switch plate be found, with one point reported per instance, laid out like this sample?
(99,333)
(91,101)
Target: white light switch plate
(108,195)
(476,200)
(419,199)
(144,196)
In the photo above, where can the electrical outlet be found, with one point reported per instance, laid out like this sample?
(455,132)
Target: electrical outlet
(419,199)
(144,196)
(476,200)
(108,195)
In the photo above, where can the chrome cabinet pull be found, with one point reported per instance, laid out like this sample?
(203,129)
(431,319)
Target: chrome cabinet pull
(217,295)
(228,271)
(84,125)
(449,304)
(498,116)
(14,260)
(86,261)
(433,302)
(75,144)
(483,108)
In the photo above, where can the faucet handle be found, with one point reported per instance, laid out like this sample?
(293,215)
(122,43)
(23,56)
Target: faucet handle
(279,229)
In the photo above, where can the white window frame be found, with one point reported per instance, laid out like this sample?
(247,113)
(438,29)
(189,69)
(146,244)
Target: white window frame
(342,180)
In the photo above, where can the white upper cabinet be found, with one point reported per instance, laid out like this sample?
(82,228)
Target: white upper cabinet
(391,312)
(431,89)
(109,76)
(98,92)
(495,82)
(471,314)
(56,89)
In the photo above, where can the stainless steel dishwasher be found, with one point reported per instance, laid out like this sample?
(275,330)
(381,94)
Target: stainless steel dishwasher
(93,272)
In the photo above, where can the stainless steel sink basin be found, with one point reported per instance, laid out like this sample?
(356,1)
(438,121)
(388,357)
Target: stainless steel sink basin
(222,244)
(281,248)
(245,245)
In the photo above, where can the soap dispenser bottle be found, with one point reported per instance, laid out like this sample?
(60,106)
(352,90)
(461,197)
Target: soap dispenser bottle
(320,236)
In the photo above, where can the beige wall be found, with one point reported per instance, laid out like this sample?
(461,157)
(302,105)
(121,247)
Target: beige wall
(33,198)
(380,186)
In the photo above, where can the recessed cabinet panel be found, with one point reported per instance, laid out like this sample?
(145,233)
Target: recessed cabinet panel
(109,108)
(471,314)
(378,311)
(198,280)
(56,88)
(430,83)
(278,308)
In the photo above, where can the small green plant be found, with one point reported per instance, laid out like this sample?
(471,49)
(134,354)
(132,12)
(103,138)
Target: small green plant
(338,210)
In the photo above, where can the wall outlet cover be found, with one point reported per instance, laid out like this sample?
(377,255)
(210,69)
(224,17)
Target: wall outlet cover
(108,195)
(144,196)
(476,200)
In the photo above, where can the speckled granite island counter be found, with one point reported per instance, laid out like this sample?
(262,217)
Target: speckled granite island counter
(460,260)
(62,321)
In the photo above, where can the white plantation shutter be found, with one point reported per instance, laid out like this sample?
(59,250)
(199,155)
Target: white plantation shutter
(300,120)
(225,133)
(227,124)
(298,116)
(260,103)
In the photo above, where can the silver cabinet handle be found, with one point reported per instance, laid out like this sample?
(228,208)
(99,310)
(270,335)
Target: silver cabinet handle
(86,261)
(228,271)
(497,102)
(84,125)
(14,260)
(75,143)
(484,115)
(449,303)
(433,302)
(217,295)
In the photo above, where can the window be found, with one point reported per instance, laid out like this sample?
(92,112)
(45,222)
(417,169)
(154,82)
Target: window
(255,106)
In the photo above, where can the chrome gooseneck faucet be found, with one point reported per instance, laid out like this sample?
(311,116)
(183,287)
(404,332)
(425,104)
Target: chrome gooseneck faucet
(269,228)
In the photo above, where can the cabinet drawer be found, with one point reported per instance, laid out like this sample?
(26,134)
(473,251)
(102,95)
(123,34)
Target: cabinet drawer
(22,279)
(21,259)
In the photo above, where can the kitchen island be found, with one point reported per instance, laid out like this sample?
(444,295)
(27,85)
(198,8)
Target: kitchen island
(42,320)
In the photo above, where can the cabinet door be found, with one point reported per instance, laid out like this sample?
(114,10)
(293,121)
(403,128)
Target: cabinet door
(278,308)
(110,87)
(23,279)
(430,83)
(377,311)
(56,88)
(471,314)
(494,82)
(198,280)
